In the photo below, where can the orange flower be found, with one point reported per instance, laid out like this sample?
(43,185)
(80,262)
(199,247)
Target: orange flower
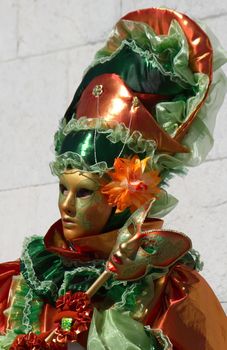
(132,185)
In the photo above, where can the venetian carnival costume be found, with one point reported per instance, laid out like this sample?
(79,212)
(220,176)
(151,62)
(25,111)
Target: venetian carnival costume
(144,111)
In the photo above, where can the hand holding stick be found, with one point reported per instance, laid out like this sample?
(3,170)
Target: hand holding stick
(125,253)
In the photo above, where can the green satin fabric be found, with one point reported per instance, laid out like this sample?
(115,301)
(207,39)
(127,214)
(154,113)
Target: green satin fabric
(148,63)
(82,143)
(169,55)
(42,270)
(113,330)
(153,64)
(24,313)
(50,276)
(138,72)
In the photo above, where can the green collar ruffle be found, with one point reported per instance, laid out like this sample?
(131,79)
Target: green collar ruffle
(51,276)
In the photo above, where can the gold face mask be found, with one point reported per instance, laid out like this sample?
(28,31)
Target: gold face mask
(84,210)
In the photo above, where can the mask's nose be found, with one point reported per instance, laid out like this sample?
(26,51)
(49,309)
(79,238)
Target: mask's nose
(69,204)
(131,247)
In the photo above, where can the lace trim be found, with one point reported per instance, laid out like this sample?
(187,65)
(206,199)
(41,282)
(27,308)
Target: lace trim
(27,311)
(173,72)
(128,293)
(71,160)
(115,132)
(91,272)
(161,338)
(24,311)
(152,46)
(30,274)
(197,259)
(7,339)
(144,41)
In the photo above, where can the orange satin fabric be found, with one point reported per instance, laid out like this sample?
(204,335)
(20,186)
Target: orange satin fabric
(184,306)
(47,318)
(96,246)
(116,105)
(7,271)
(187,310)
(200,49)
(160,19)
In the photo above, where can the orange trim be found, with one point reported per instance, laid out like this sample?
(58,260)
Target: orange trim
(200,49)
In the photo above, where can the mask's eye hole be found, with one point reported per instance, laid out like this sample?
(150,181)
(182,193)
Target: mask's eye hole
(84,192)
(63,189)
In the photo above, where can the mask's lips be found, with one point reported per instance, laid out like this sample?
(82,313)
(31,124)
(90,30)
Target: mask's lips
(89,247)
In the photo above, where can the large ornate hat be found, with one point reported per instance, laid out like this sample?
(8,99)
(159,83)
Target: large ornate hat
(160,56)
(149,92)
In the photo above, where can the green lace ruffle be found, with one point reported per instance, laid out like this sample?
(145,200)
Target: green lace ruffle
(123,294)
(23,314)
(147,43)
(171,115)
(43,271)
(49,276)
(197,259)
(25,310)
(81,278)
(7,340)
(162,339)
(170,55)
(118,132)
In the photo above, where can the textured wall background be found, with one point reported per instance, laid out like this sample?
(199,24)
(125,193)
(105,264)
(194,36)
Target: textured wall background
(44,47)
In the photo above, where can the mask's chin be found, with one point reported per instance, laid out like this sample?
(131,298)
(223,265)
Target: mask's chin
(71,234)
(77,232)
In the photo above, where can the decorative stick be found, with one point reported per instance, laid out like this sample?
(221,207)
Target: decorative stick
(98,283)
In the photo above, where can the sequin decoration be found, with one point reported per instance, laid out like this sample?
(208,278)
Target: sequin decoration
(66,323)
(98,90)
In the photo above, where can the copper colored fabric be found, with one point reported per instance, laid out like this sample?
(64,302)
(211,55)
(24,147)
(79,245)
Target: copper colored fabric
(89,247)
(116,104)
(150,100)
(47,318)
(7,271)
(187,310)
(160,19)
(184,306)
(200,48)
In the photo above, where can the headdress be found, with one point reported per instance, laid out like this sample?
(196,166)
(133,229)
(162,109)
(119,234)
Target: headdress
(151,93)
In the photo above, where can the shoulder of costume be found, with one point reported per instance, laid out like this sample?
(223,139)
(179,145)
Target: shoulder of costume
(42,270)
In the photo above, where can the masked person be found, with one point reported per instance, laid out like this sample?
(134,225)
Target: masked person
(107,275)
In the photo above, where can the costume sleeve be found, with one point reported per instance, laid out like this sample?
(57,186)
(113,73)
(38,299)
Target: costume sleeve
(7,271)
(189,312)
